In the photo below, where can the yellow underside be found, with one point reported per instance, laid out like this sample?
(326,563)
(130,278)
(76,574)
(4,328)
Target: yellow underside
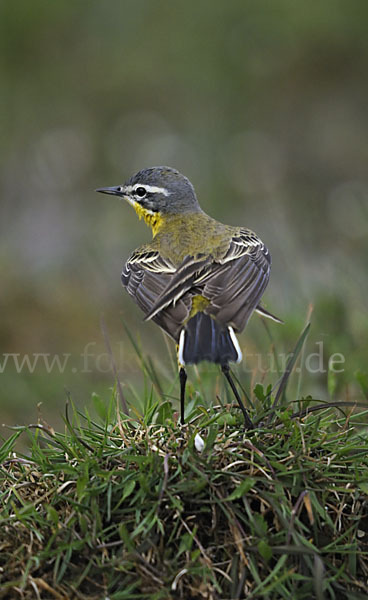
(153,220)
(199,304)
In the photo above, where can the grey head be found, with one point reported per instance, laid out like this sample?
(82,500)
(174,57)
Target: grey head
(158,189)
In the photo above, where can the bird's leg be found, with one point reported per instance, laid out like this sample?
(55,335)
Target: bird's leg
(226,371)
(183,380)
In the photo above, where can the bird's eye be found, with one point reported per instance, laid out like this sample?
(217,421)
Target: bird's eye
(140,191)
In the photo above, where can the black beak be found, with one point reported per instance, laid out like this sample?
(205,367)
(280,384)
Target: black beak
(115,191)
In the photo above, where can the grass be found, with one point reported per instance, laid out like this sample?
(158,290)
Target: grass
(134,507)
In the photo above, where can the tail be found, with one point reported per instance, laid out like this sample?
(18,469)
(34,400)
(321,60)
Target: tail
(203,338)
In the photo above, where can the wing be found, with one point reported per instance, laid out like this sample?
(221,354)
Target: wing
(233,283)
(237,283)
(145,276)
(184,279)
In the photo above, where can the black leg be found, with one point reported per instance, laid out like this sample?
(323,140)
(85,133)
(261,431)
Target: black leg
(226,371)
(183,380)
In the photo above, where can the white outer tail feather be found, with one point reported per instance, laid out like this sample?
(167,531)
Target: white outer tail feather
(236,343)
(181,347)
(233,339)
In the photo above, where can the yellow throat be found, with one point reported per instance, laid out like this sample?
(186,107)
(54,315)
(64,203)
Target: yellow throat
(153,220)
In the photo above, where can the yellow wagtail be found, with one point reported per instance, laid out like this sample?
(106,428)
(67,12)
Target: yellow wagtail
(198,279)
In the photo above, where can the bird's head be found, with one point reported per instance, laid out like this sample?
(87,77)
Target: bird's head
(157,191)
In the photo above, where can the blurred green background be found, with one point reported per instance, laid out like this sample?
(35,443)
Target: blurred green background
(263,105)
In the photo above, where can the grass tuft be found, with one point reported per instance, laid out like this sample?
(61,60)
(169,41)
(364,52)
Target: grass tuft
(124,508)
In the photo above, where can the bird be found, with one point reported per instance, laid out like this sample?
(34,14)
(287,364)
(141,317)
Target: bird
(198,279)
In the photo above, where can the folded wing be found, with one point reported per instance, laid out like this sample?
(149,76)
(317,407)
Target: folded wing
(233,283)
(145,276)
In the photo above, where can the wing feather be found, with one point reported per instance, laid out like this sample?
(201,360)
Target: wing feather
(145,276)
(183,280)
(236,286)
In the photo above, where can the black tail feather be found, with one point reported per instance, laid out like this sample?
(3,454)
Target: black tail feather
(203,338)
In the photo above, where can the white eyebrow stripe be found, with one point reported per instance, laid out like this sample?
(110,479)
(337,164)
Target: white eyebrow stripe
(151,189)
